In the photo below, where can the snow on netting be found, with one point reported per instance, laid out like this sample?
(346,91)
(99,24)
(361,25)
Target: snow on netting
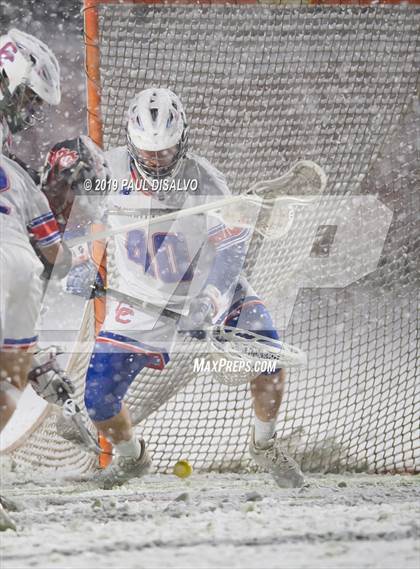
(264,86)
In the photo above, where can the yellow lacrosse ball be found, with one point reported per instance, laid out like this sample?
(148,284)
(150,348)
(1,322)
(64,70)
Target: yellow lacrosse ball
(182,469)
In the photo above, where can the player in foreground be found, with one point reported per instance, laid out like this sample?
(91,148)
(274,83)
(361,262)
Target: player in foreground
(29,75)
(194,262)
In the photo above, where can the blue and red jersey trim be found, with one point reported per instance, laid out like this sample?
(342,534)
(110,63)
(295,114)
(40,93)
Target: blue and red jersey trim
(156,359)
(4,181)
(21,344)
(45,229)
(223,237)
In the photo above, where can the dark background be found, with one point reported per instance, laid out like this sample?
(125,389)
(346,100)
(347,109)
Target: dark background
(59,23)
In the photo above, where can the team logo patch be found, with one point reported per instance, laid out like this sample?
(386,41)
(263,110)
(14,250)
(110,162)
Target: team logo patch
(7,52)
(123,313)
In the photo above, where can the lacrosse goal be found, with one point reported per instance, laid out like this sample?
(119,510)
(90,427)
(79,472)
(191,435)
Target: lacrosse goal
(265,84)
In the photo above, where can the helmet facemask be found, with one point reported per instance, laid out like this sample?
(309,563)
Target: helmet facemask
(22,109)
(30,109)
(157,164)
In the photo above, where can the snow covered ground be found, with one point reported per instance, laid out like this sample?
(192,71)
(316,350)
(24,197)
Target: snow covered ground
(233,520)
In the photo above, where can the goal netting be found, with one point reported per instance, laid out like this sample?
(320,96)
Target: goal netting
(264,85)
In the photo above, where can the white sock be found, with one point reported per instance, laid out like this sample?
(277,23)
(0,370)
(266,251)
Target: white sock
(130,449)
(264,431)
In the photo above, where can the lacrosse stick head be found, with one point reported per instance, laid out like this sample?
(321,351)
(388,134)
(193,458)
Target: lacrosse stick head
(275,200)
(304,180)
(241,355)
(243,212)
(271,220)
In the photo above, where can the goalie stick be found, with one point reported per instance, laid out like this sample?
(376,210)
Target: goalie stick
(303,182)
(51,383)
(72,411)
(242,343)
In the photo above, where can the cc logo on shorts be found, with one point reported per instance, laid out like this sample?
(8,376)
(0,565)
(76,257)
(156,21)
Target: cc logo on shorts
(123,312)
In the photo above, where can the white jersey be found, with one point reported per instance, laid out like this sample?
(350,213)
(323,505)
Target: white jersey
(24,210)
(169,262)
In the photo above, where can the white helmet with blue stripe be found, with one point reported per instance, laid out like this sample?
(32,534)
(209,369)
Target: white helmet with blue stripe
(157,133)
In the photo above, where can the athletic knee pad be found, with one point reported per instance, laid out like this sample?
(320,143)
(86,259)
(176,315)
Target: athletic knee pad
(251,314)
(110,374)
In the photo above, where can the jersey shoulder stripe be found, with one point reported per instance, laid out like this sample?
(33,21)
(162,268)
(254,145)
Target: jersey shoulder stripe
(45,229)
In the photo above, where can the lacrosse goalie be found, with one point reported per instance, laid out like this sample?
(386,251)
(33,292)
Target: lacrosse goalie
(190,266)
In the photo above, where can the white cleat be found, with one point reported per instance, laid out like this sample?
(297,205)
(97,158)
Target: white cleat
(271,457)
(124,468)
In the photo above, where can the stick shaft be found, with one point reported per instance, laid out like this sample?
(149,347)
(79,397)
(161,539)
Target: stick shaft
(255,196)
(178,214)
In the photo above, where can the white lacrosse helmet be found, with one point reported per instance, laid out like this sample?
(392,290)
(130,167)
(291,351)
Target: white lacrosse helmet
(29,75)
(44,76)
(157,133)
